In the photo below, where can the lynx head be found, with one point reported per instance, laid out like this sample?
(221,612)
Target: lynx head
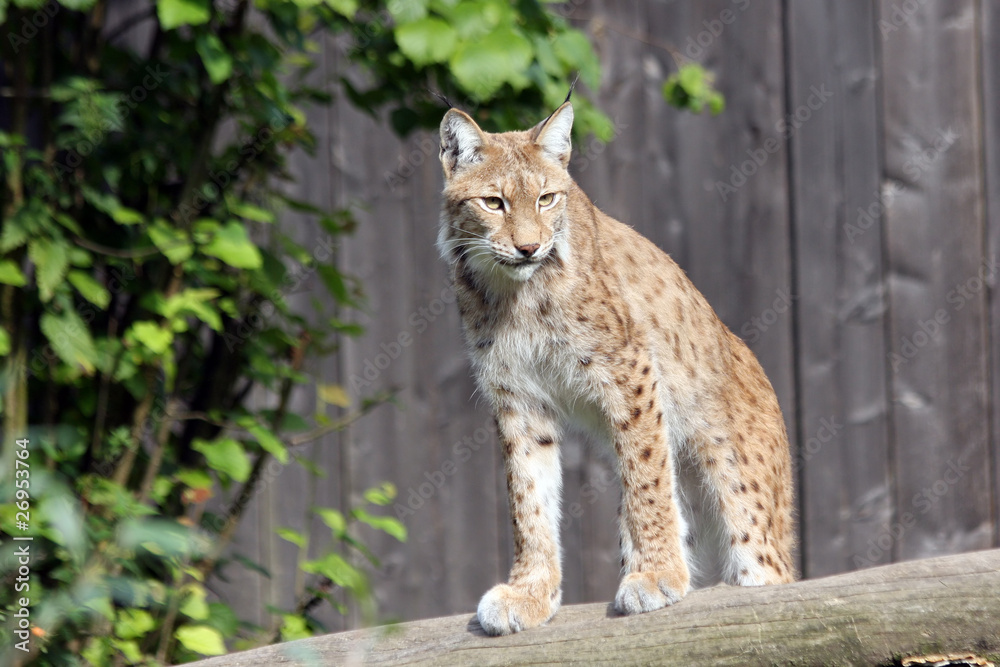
(505,194)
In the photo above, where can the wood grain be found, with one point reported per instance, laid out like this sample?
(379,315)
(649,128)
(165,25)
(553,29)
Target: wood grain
(949,604)
(844,461)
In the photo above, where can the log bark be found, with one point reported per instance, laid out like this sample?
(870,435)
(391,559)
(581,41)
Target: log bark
(871,617)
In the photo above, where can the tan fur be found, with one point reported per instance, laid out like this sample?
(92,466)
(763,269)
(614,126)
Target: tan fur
(600,329)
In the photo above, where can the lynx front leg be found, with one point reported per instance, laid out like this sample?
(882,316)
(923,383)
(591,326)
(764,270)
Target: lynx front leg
(656,574)
(532,593)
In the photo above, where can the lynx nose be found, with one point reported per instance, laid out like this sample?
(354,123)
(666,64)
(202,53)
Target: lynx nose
(527,249)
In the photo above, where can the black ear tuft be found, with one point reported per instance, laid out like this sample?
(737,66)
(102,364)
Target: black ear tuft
(571,87)
(441,97)
(461,141)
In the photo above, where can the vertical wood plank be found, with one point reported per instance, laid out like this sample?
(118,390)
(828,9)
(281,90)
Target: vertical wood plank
(846,499)
(732,193)
(412,343)
(935,233)
(989,68)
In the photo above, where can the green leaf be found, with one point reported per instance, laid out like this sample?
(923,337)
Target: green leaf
(201,639)
(89,289)
(483,66)
(4,342)
(426,41)
(251,212)
(174,243)
(14,234)
(133,623)
(691,87)
(336,569)
(194,605)
(474,19)
(51,260)
(334,281)
(346,8)
(10,274)
(575,51)
(233,246)
(126,216)
(196,479)
(332,518)
(194,301)
(162,537)
(226,456)
(77,5)
(334,394)
(381,495)
(129,650)
(293,536)
(175,13)
(151,335)
(269,442)
(407,11)
(386,524)
(294,627)
(70,338)
(217,60)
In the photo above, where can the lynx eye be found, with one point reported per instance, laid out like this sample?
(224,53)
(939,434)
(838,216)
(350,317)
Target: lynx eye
(493,203)
(546,199)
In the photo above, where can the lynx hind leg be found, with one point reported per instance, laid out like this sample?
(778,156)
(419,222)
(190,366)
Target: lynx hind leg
(748,477)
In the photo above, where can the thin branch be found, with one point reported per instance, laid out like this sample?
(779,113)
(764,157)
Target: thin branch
(340,424)
(130,23)
(156,459)
(600,22)
(296,441)
(142,411)
(115,252)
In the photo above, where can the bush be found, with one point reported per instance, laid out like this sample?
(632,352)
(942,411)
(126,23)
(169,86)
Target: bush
(143,284)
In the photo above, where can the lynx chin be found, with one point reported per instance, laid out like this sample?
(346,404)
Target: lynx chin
(574,320)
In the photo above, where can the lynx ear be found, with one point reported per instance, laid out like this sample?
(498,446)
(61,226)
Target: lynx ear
(553,134)
(461,141)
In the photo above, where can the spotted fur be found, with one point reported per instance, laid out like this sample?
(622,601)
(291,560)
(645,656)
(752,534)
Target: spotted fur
(574,319)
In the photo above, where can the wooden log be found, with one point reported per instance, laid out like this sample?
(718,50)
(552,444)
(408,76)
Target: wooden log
(876,616)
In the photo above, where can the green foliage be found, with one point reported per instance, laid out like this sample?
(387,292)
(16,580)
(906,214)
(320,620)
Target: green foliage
(507,62)
(143,288)
(691,88)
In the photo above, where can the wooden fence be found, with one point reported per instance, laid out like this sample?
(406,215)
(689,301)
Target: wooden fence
(841,215)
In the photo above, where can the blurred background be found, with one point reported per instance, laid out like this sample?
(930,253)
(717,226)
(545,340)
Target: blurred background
(274,369)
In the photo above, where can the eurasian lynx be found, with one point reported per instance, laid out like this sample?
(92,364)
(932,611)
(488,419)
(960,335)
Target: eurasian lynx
(574,319)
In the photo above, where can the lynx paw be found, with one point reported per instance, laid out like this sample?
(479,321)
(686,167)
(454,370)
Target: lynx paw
(505,609)
(640,592)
